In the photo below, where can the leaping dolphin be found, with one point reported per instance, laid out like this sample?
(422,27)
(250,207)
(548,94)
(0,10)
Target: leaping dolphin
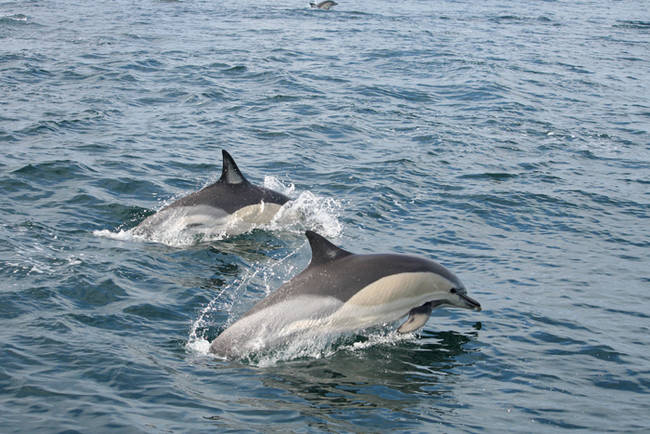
(231,205)
(326,5)
(341,292)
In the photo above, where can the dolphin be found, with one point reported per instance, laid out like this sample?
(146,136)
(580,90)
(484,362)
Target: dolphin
(341,292)
(326,5)
(231,205)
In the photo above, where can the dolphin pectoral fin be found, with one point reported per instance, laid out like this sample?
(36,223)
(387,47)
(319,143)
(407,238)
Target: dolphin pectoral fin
(418,317)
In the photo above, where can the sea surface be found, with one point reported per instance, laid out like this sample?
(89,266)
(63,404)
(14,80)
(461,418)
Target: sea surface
(509,141)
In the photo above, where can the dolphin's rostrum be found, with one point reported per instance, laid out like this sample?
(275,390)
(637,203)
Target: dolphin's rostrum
(341,292)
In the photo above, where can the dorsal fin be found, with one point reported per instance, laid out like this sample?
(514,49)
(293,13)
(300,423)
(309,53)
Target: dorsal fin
(230,173)
(322,251)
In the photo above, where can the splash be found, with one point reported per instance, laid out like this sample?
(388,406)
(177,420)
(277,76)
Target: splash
(176,228)
(226,299)
(323,346)
(307,211)
(120,234)
(310,345)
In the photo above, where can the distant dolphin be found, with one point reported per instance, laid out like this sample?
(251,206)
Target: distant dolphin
(326,5)
(231,205)
(341,292)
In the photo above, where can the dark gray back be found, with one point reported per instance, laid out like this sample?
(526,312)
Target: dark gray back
(337,273)
(231,192)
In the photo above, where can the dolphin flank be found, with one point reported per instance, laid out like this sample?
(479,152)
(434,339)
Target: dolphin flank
(341,292)
(231,205)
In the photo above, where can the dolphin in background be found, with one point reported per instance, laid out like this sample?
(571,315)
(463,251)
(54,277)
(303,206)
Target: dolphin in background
(342,292)
(325,5)
(232,205)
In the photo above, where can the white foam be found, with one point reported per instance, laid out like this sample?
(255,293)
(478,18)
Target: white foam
(121,235)
(322,346)
(379,338)
(273,183)
(35,269)
(307,211)
(199,346)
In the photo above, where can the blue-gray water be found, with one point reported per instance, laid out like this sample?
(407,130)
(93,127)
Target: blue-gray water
(508,141)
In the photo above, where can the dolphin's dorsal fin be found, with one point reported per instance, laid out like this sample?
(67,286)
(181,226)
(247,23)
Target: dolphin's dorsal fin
(230,173)
(322,251)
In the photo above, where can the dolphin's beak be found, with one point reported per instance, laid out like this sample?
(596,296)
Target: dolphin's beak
(470,303)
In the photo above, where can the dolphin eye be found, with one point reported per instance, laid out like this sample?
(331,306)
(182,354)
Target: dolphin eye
(453,290)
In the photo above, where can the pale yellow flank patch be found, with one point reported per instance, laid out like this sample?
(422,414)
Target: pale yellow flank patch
(399,286)
(257,214)
(389,299)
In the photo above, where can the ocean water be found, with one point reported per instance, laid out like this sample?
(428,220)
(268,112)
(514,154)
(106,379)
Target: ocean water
(509,141)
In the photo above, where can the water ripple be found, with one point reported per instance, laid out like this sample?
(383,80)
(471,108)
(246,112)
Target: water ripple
(507,142)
